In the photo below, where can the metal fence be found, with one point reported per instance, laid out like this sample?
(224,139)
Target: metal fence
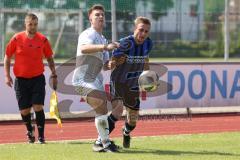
(180,28)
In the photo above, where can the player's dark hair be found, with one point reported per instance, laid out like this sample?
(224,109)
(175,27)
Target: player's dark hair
(95,7)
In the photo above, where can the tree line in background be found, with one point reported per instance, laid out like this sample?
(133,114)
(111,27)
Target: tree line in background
(210,45)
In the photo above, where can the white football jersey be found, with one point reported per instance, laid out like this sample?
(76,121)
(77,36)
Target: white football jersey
(88,66)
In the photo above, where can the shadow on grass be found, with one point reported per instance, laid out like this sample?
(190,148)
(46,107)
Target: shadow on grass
(174,152)
(72,142)
(79,142)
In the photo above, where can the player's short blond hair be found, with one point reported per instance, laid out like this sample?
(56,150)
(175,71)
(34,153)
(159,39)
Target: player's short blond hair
(143,20)
(31,16)
(95,7)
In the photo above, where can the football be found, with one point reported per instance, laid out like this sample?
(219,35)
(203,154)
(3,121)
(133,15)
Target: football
(148,81)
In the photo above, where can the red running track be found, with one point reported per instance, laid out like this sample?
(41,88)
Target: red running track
(84,129)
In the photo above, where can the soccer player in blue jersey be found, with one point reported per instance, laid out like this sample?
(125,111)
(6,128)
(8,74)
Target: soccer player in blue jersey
(131,58)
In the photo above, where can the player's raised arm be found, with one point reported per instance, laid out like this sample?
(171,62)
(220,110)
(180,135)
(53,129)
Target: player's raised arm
(93,48)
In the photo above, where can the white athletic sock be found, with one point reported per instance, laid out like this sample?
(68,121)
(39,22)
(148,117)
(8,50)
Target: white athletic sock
(101,124)
(98,141)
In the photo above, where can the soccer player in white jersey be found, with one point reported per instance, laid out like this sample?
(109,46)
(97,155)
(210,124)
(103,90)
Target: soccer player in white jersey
(92,57)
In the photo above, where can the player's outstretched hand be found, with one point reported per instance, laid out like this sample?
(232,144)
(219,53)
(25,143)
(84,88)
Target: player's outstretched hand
(112,46)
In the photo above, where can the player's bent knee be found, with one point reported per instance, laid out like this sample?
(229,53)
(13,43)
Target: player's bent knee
(97,99)
(97,102)
(101,110)
(100,106)
(25,111)
(37,107)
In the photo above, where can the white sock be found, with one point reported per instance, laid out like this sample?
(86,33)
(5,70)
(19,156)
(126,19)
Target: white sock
(101,124)
(98,141)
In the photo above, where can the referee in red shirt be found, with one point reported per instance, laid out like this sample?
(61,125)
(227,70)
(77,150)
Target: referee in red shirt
(29,47)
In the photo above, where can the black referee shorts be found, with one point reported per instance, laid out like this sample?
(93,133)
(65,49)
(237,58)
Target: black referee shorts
(129,97)
(30,91)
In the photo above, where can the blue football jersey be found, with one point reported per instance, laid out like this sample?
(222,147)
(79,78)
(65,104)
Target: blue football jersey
(129,71)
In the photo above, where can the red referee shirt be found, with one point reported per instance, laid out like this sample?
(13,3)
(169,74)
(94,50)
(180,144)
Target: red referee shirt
(29,54)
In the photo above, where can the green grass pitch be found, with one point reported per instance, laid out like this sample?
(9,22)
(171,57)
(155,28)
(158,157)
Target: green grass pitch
(214,146)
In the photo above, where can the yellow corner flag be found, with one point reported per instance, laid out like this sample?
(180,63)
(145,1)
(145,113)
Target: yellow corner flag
(54,113)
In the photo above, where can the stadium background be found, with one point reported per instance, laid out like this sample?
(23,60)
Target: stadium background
(182,30)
